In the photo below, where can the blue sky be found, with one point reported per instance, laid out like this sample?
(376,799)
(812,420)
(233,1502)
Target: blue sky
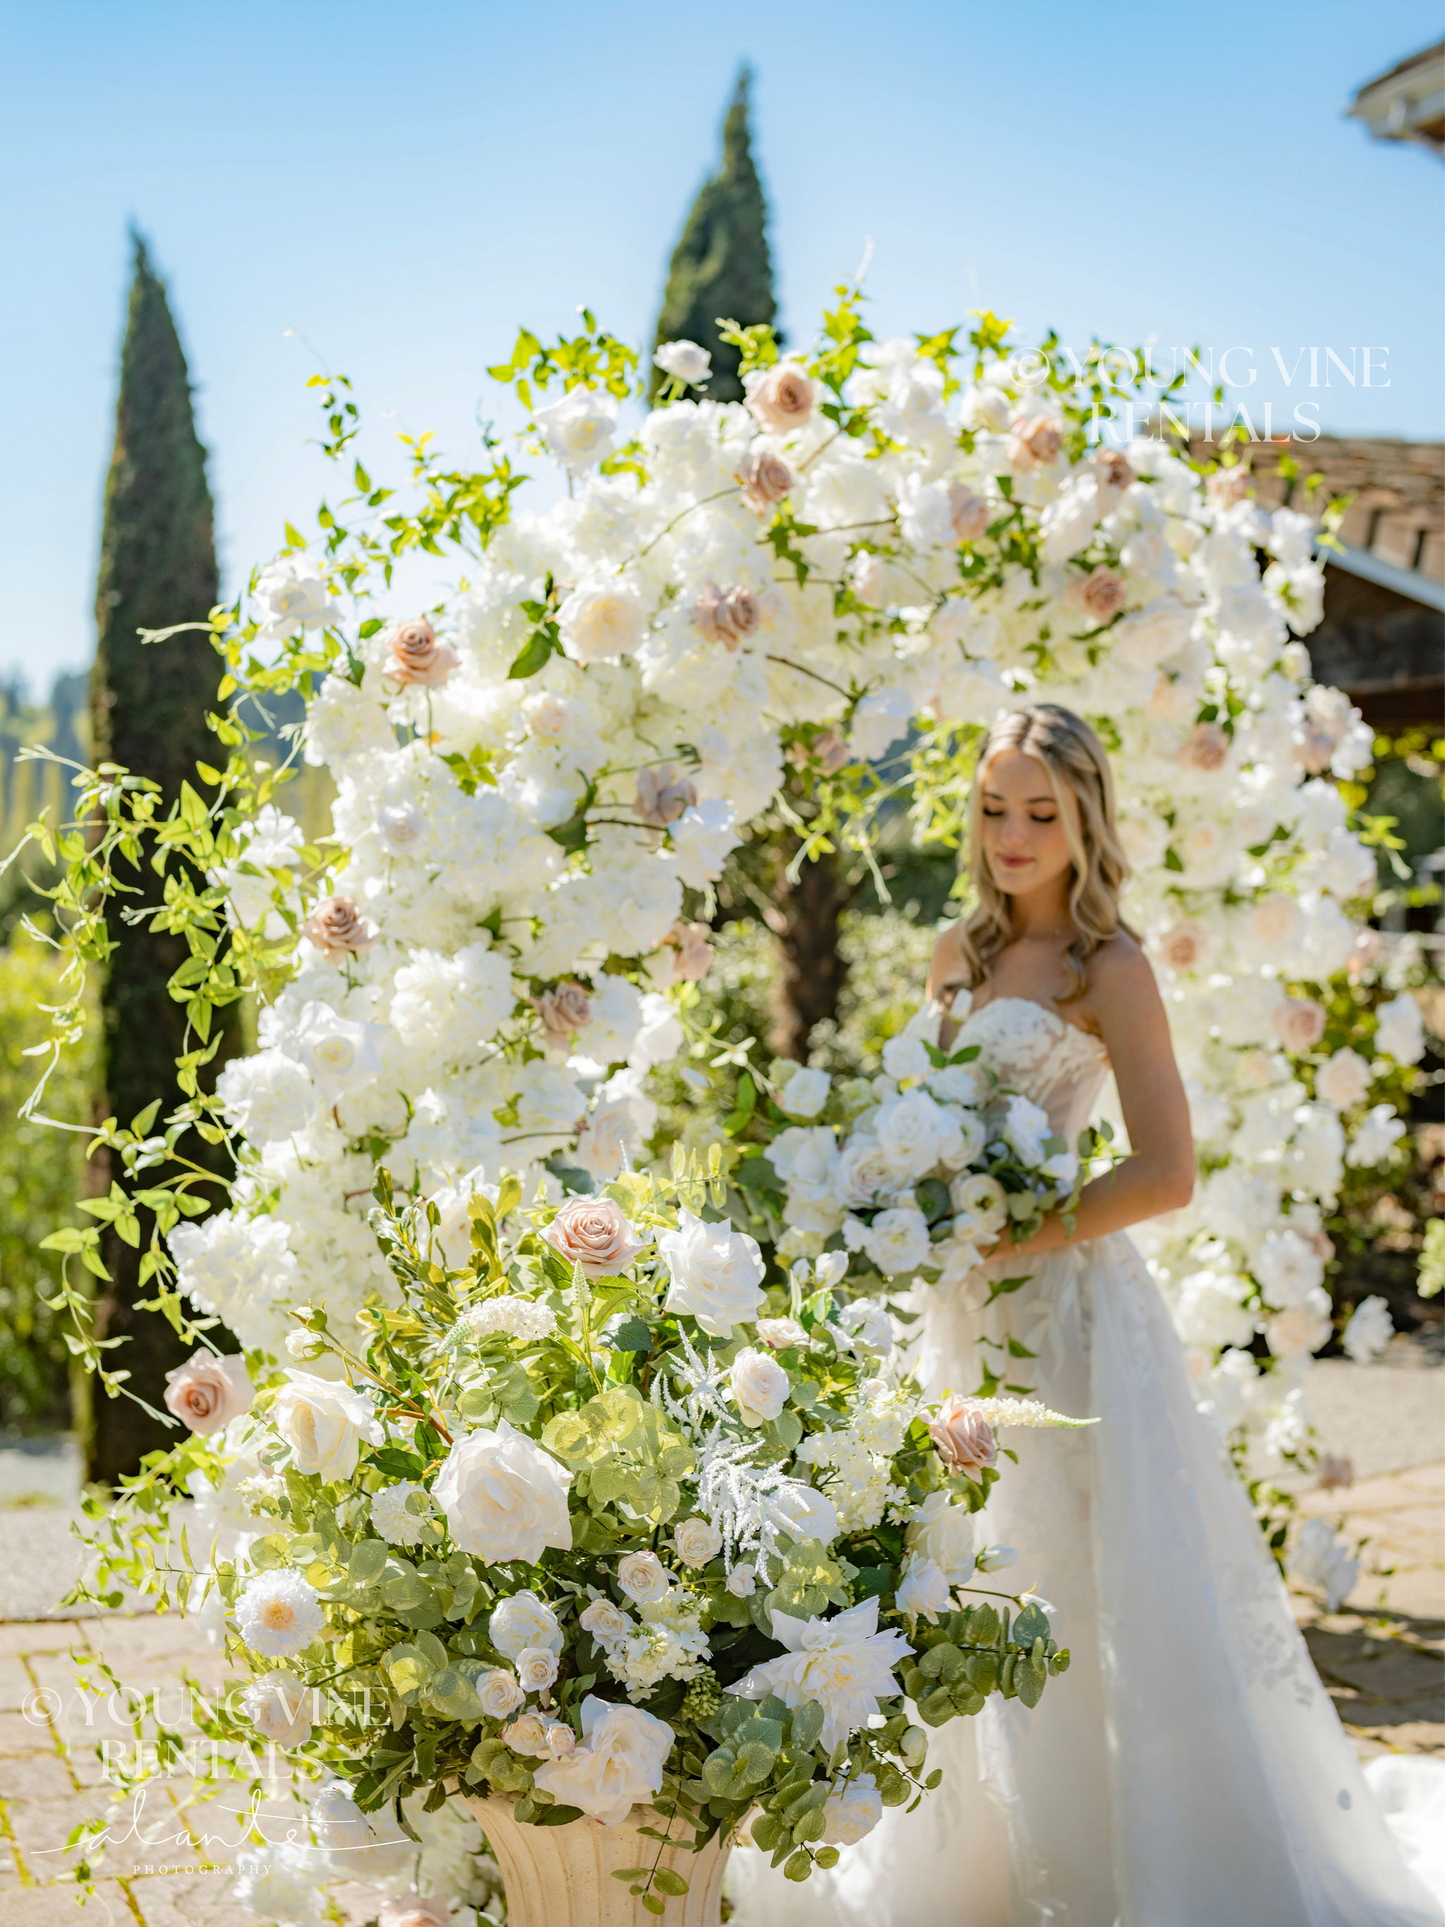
(402,185)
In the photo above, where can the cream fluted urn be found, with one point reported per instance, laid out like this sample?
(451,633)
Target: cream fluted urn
(562,1876)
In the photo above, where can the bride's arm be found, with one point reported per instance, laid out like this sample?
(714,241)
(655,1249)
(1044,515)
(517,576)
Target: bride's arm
(1124,1001)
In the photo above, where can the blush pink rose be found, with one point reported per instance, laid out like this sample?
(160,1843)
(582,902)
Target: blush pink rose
(766,479)
(1206,748)
(692,952)
(563,1011)
(1228,486)
(207,1392)
(417,657)
(1034,443)
(415,1910)
(338,928)
(1315,751)
(783,399)
(1112,471)
(967,512)
(1299,1023)
(726,615)
(1183,947)
(963,1437)
(662,796)
(1100,594)
(594,1233)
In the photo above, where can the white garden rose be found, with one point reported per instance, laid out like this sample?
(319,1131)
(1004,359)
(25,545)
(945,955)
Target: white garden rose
(504,1497)
(943,1533)
(981,1203)
(499,1692)
(1400,1030)
(618,1766)
(536,1668)
(324,1423)
(922,1589)
(805,1093)
(1345,1079)
(643,1577)
(605,1621)
(685,360)
(579,428)
(291,593)
(697,1541)
(1369,1331)
(1379,1133)
(522,1620)
(342,1055)
(760,1386)
(897,1240)
(906,1057)
(715,1273)
(602,622)
(851,1813)
(279,1706)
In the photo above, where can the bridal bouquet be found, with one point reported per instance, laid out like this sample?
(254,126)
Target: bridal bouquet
(913,1174)
(598,1523)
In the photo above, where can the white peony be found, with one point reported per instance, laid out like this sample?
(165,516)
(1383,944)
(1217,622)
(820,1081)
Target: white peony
(455,1003)
(324,1423)
(906,1057)
(1026,1130)
(879,721)
(843,1664)
(619,1764)
(291,593)
(279,1706)
(701,839)
(268,1097)
(714,1272)
(504,1497)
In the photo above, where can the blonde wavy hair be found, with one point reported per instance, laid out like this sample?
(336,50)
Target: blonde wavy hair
(1083,786)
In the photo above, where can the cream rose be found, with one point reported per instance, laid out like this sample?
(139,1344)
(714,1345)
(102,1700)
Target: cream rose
(726,615)
(1183,947)
(618,1765)
(278,1706)
(338,929)
(499,1692)
(527,1734)
(1344,1080)
(643,1577)
(602,623)
(1299,1023)
(685,361)
(1034,442)
(1100,595)
(692,951)
(782,399)
(207,1392)
(697,1541)
(415,655)
(605,1621)
(536,1668)
(504,1497)
(963,1437)
(522,1620)
(324,1424)
(760,1386)
(766,479)
(781,1333)
(594,1233)
(743,1580)
(981,1202)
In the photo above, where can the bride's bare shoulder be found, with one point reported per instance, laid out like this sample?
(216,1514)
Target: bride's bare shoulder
(1119,969)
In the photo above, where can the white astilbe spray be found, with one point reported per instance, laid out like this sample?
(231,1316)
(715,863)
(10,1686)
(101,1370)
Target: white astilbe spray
(703,1401)
(734,1494)
(1022,1411)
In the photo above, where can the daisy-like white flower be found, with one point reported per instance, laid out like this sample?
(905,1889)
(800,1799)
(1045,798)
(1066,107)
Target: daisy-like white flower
(279,1614)
(398,1522)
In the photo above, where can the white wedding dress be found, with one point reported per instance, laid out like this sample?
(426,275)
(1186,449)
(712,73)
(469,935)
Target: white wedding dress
(1189,1770)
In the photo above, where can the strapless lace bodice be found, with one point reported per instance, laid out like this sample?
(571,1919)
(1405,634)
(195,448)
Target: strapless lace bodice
(1033,1050)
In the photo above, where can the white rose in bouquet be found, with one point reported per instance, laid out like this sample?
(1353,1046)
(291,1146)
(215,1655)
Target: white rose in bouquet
(1026,1130)
(342,1055)
(851,1813)
(897,1240)
(522,1620)
(697,1541)
(685,360)
(716,1273)
(906,1057)
(805,1093)
(504,1497)
(643,1577)
(922,1589)
(943,1533)
(618,1765)
(760,1386)
(324,1423)
(981,1203)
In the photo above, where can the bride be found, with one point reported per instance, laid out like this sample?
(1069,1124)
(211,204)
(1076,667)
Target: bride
(1189,1771)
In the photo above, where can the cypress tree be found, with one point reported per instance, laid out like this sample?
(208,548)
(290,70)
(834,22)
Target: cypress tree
(721,268)
(148,704)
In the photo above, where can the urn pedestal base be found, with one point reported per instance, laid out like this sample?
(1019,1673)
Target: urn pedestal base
(562,1876)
